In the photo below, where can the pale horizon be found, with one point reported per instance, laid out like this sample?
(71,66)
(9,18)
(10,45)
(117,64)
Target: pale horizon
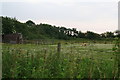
(93,16)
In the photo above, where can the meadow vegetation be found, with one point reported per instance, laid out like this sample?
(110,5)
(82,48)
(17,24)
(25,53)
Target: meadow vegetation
(81,55)
(96,60)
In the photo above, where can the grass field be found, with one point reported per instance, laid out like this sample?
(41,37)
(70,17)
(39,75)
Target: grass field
(74,61)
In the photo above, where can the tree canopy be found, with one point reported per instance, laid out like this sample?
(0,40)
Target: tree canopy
(30,30)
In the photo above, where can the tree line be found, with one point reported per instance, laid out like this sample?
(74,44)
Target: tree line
(30,31)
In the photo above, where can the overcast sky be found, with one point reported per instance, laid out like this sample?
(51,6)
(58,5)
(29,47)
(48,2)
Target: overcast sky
(98,16)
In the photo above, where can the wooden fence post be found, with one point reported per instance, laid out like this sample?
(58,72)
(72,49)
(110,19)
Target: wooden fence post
(45,55)
(59,48)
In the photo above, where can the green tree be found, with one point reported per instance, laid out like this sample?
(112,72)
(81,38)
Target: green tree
(81,35)
(109,35)
(8,25)
(92,35)
(30,23)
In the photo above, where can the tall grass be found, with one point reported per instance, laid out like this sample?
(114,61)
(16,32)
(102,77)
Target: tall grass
(43,61)
(116,50)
